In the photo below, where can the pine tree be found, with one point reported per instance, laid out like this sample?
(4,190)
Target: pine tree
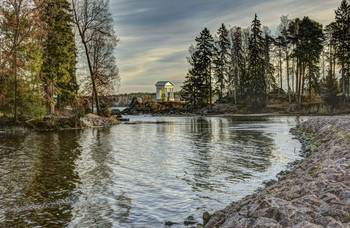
(342,36)
(194,84)
(237,61)
(329,90)
(206,49)
(309,45)
(198,83)
(222,61)
(256,70)
(58,71)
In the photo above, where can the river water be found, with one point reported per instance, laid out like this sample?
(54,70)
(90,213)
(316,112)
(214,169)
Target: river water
(139,175)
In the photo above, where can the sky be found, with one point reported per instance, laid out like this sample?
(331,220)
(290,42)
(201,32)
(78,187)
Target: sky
(155,34)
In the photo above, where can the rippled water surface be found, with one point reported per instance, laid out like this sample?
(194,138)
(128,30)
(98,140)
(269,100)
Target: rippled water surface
(139,175)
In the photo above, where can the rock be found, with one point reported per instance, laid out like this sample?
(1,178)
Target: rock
(170,223)
(266,223)
(115,112)
(206,217)
(322,220)
(345,195)
(306,224)
(337,214)
(237,221)
(190,220)
(336,224)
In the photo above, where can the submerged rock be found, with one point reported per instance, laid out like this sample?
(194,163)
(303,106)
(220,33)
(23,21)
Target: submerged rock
(190,220)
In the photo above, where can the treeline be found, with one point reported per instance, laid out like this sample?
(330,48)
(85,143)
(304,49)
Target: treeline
(41,45)
(303,59)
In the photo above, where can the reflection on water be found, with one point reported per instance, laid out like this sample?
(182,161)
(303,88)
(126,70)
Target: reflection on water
(139,175)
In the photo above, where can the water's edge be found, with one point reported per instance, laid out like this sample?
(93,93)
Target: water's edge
(315,192)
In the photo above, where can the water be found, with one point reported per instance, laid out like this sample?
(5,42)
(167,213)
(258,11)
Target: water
(139,175)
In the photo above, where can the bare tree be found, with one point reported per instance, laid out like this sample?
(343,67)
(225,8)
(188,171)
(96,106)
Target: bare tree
(94,24)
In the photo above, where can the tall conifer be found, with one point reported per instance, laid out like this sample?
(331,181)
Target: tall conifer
(342,35)
(58,71)
(222,61)
(256,70)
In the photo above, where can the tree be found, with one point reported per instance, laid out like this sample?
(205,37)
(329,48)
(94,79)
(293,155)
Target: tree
(104,62)
(269,68)
(206,49)
(94,21)
(222,60)
(256,70)
(286,42)
(198,83)
(59,65)
(21,60)
(194,84)
(308,39)
(237,61)
(329,90)
(342,36)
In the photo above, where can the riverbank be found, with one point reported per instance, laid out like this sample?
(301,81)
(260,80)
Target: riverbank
(315,193)
(57,123)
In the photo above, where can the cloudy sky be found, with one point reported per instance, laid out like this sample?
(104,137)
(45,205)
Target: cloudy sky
(155,34)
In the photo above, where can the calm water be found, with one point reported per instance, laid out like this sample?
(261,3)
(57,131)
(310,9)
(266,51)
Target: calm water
(140,175)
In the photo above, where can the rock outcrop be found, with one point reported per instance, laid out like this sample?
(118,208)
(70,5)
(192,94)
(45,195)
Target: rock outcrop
(315,193)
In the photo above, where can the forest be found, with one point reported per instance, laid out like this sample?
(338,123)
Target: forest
(302,60)
(57,53)
(45,47)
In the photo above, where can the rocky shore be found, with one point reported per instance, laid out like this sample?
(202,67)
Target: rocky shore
(315,193)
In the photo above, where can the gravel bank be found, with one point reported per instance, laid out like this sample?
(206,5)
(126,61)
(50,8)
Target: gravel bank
(315,193)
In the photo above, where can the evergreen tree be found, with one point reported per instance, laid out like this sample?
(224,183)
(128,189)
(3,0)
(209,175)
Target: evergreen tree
(194,84)
(309,45)
(222,61)
(329,90)
(198,83)
(342,36)
(237,61)
(205,48)
(256,70)
(58,71)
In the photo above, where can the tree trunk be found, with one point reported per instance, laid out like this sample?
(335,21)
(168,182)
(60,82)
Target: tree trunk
(293,74)
(92,103)
(300,85)
(15,74)
(302,79)
(92,78)
(281,86)
(50,102)
(343,76)
(210,90)
(297,84)
(287,59)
